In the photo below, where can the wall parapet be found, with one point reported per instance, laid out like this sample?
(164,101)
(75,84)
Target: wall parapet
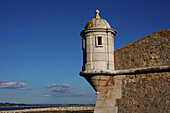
(129,71)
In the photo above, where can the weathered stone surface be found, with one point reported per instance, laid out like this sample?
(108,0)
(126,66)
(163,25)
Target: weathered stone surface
(109,90)
(97,22)
(153,50)
(145,93)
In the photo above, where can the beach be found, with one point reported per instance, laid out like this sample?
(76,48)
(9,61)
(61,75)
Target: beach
(54,110)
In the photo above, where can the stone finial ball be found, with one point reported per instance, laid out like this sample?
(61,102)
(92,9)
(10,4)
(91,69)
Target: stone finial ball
(97,11)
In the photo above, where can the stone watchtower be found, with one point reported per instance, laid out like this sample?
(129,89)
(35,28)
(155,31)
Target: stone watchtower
(98,45)
(98,57)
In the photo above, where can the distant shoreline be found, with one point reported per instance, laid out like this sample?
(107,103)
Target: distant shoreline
(18,106)
(51,105)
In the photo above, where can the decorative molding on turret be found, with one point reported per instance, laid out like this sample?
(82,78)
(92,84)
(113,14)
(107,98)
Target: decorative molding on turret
(84,32)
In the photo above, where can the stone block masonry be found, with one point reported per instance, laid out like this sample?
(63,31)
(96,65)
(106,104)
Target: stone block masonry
(145,93)
(152,50)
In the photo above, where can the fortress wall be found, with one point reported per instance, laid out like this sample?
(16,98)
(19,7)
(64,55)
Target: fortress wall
(152,50)
(145,93)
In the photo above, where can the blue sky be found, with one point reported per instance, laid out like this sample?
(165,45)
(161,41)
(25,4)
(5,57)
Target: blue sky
(40,44)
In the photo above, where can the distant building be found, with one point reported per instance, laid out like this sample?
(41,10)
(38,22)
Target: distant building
(132,79)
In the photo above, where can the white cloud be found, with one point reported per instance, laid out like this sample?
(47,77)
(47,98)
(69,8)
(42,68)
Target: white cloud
(57,85)
(8,93)
(4,84)
(65,90)
(46,95)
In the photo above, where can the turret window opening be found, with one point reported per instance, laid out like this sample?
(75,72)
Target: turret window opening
(99,40)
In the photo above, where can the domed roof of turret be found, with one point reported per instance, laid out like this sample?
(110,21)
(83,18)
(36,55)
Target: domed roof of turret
(97,22)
